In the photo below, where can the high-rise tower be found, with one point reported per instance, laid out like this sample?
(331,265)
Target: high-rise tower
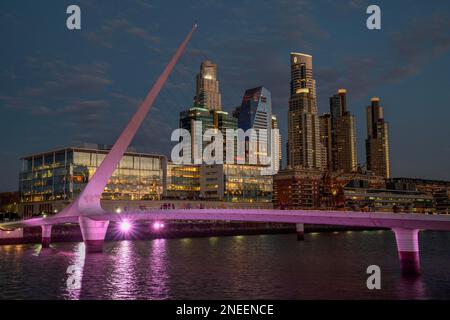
(304,146)
(377,142)
(343,135)
(255,112)
(277,148)
(326,140)
(207,91)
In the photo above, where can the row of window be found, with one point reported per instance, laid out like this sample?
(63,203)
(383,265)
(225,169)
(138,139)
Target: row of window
(89,159)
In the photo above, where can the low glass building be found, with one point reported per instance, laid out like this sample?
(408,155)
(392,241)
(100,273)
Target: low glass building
(62,174)
(183,181)
(245,183)
(235,183)
(383,200)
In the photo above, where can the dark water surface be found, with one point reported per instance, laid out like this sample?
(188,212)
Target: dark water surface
(325,266)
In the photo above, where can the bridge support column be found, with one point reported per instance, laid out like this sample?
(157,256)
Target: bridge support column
(93,232)
(408,250)
(300,229)
(46,235)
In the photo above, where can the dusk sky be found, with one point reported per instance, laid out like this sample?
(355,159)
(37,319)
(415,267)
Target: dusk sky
(62,88)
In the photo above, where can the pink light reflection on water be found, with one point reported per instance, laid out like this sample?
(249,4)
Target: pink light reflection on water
(158,276)
(75,272)
(123,280)
(137,272)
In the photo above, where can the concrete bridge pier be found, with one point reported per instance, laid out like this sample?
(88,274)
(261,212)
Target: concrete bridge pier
(300,229)
(408,250)
(93,232)
(46,235)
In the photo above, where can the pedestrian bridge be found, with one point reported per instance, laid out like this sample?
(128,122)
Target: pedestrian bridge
(405,226)
(93,220)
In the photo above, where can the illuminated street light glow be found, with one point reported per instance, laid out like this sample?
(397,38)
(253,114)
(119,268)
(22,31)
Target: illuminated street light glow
(125,226)
(158,225)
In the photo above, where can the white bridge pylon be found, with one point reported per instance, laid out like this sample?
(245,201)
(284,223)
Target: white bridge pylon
(88,202)
(87,206)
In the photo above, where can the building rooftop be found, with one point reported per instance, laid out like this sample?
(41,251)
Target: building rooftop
(92,148)
(301,54)
(420,180)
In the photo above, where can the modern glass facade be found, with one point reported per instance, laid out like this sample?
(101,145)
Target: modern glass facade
(224,121)
(245,183)
(183,181)
(196,120)
(255,112)
(199,119)
(382,200)
(235,183)
(62,175)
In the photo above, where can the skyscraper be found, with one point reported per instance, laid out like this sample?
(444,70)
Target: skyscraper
(255,112)
(197,120)
(377,142)
(206,112)
(277,148)
(326,139)
(343,135)
(207,90)
(304,146)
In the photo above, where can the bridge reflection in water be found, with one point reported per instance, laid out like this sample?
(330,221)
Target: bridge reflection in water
(128,270)
(325,266)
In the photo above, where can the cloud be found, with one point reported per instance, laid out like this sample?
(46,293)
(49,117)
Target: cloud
(84,106)
(358,4)
(112,28)
(424,40)
(407,53)
(61,79)
(59,89)
(146,4)
(126,99)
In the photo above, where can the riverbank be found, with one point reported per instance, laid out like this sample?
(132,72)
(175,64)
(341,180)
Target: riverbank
(173,229)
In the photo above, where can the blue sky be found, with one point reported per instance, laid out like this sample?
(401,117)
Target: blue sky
(61,87)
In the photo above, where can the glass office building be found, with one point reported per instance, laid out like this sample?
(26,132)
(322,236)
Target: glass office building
(199,119)
(235,183)
(62,175)
(183,181)
(255,112)
(383,200)
(196,120)
(245,183)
